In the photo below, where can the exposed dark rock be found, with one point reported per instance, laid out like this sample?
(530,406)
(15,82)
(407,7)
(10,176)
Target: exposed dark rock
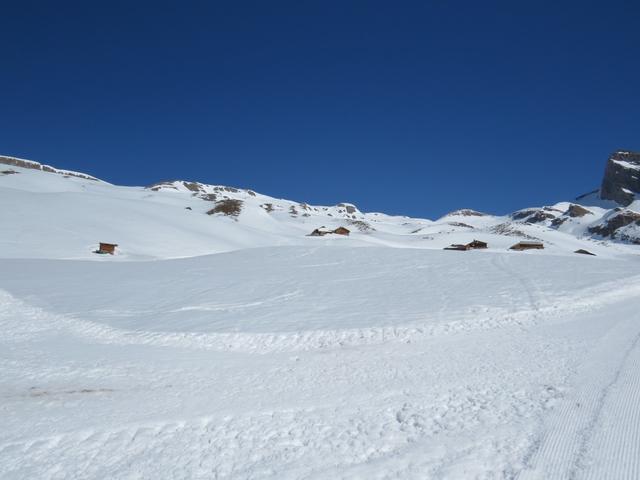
(193,186)
(268,207)
(226,189)
(584,252)
(574,211)
(508,229)
(556,222)
(534,215)
(8,172)
(18,162)
(349,208)
(540,216)
(621,177)
(160,185)
(522,214)
(466,212)
(362,225)
(209,197)
(577,211)
(610,226)
(229,207)
(459,224)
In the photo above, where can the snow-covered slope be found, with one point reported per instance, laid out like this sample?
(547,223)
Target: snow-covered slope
(52,213)
(330,362)
(250,350)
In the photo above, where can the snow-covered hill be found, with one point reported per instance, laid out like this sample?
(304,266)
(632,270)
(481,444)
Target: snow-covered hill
(174,219)
(250,350)
(320,362)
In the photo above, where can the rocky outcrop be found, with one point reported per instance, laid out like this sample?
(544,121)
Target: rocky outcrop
(19,162)
(574,211)
(616,225)
(508,229)
(229,207)
(621,177)
(349,208)
(465,212)
(535,215)
(577,211)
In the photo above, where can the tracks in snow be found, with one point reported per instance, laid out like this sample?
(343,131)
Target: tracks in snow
(586,300)
(595,432)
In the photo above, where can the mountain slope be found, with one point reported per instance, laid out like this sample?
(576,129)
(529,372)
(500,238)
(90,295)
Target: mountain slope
(52,213)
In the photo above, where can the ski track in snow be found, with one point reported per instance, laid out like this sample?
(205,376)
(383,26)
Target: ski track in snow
(594,433)
(610,292)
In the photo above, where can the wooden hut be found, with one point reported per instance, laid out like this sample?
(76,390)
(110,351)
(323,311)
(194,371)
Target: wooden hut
(105,248)
(467,246)
(477,244)
(342,231)
(527,245)
(457,246)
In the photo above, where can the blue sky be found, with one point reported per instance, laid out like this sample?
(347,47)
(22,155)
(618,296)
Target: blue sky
(413,108)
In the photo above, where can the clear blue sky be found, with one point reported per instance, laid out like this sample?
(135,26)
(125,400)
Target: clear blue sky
(413,108)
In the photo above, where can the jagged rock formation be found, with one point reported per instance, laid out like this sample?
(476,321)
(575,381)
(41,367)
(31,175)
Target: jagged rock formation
(621,177)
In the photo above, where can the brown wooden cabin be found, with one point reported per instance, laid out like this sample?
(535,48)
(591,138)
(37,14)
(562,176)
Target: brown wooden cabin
(584,252)
(468,246)
(458,246)
(109,248)
(477,244)
(527,245)
(342,231)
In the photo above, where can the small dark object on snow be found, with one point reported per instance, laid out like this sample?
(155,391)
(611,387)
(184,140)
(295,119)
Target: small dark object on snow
(477,244)
(322,231)
(187,208)
(106,248)
(584,252)
(469,246)
(458,246)
(525,245)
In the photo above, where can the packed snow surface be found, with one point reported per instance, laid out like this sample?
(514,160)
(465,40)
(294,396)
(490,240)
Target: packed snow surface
(220,341)
(330,362)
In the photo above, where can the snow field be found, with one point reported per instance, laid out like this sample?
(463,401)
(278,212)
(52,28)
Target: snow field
(385,363)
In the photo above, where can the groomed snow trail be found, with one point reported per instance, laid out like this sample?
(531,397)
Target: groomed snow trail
(594,432)
(399,364)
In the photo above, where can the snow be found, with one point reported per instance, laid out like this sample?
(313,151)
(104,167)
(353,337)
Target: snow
(627,165)
(213,346)
(303,362)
